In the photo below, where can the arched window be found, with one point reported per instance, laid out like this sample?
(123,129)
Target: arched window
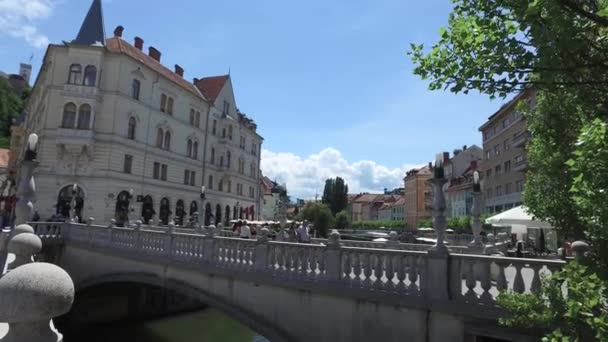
(167,142)
(228,157)
(90,75)
(159,137)
(132,126)
(69,116)
(189,148)
(75,76)
(195,150)
(135,86)
(193,208)
(230,132)
(84,116)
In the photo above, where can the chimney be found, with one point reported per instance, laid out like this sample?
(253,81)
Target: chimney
(464,148)
(446,157)
(194,80)
(179,70)
(139,43)
(152,52)
(118,31)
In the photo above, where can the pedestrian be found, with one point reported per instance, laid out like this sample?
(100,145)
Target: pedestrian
(245,231)
(36,216)
(302,233)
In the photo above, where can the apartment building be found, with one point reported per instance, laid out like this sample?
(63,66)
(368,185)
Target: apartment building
(130,138)
(504,162)
(418,195)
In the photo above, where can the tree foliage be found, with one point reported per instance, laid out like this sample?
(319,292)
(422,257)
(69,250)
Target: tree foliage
(319,215)
(10,107)
(379,224)
(335,194)
(425,223)
(342,220)
(570,304)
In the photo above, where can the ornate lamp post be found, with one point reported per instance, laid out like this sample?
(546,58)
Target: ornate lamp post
(202,207)
(439,220)
(476,211)
(73,203)
(130,206)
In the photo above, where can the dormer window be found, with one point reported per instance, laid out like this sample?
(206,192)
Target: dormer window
(75,76)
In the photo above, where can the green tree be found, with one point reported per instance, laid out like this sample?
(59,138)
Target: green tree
(319,215)
(425,223)
(335,194)
(342,220)
(10,107)
(461,224)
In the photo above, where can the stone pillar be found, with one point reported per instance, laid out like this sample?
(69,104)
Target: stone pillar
(436,284)
(208,244)
(393,240)
(439,220)
(24,246)
(333,257)
(477,243)
(261,251)
(580,250)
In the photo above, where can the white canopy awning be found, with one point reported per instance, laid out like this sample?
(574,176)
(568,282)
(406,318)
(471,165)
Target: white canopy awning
(517,216)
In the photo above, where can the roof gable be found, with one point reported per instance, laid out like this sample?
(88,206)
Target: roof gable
(211,87)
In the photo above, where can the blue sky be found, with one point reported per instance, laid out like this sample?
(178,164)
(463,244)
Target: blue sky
(328,82)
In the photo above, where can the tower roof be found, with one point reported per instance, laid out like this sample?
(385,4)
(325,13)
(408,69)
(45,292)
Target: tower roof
(92,30)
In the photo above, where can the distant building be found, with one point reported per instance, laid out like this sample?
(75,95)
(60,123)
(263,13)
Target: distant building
(459,194)
(505,136)
(19,82)
(455,169)
(418,196)
(272,194)
(367,207)
(392,211)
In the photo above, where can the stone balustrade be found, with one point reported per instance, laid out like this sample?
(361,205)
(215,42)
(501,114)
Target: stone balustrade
(353,265)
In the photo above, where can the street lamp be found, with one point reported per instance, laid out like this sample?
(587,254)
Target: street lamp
(129,208)
(476,212)
(73,203)
(439,206)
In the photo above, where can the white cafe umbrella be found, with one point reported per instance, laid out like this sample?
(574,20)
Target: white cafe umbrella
(517,216)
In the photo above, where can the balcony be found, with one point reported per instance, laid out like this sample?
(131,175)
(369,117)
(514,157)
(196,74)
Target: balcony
(521,165)
(75,141)
(80,90)
(520,140)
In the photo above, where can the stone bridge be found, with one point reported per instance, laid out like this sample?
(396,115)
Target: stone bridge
(303,292)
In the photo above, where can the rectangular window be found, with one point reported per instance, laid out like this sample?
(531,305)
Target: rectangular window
(192,117)
(519,186)
(497,169)
(163,102)
(507,145)
(163,172)
(214,127)
(220,186)
(505,123)
(156,171)
(485,136)
(499,190)
(226,109)
(229,186)
(507,166)
(192,178)
(508,188)
(128,163)
(488,153)
(135,89)
(170,105)
(186,176)
(210,182)
(497,149)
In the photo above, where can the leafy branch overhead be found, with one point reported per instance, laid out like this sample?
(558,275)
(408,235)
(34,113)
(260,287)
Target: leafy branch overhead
(500,47)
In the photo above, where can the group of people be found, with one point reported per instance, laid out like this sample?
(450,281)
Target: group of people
(242,230)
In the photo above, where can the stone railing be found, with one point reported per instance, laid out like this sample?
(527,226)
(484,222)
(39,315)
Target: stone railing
(346,265)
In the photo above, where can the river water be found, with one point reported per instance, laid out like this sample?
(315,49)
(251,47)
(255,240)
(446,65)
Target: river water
(200,326)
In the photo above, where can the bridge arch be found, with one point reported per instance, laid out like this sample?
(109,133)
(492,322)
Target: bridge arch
(256,323)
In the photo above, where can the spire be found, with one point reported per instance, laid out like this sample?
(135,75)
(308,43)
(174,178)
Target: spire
(92,31)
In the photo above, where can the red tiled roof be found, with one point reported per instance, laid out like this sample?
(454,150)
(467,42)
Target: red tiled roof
(117,45)
(365,198)
(212,86)
(4,156)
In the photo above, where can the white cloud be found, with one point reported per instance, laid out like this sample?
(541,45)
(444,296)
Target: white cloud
(18,19)
(305,177)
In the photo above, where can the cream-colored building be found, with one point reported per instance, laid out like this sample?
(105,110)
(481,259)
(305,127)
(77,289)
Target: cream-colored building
(113,120)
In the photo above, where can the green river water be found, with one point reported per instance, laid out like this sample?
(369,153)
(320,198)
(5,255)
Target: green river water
(200,326)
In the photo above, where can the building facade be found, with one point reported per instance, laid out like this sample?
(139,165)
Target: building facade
(273,195)
(392,211)
(504,160)
(122,136)
(418,196)
(458,170)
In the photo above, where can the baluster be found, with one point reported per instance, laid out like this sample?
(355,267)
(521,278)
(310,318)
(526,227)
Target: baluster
(401,265)
(378,270)
(470,282)
(321,274)
(357,261)
(518,282)
(535,286)
(367,269)
(413,275)
(346,268)
(389,285)
(272,260)
(287,261)
(486,281)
